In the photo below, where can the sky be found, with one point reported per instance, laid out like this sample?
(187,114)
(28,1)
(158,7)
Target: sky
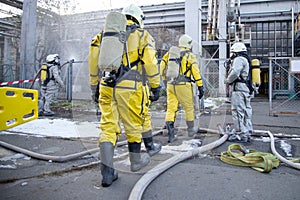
(94,5)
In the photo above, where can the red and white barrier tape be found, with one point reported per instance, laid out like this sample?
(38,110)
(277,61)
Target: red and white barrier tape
(17,82)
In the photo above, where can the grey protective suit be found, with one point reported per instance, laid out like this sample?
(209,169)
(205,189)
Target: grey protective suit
(240,97)
(49,89)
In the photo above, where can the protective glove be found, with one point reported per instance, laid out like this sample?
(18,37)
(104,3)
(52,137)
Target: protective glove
(111,80)
(201,91)
(95,93)
(155,92)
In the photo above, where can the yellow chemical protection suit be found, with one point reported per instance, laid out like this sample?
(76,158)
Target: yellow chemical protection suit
(128,98)
(123,93)
(181,90)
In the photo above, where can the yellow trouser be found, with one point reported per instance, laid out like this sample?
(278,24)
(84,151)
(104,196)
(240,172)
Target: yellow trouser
(183,94)
(127,101)
(131,107)
(147,125)
(109,123)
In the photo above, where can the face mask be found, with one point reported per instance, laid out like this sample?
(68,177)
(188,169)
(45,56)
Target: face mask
(233,55)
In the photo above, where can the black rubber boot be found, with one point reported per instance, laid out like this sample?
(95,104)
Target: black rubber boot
(151,148)
(172,136)
(137,160)
(109,174)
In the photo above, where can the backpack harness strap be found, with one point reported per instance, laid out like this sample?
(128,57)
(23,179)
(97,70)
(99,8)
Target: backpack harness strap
(248,81)
(124,72)
(182,76)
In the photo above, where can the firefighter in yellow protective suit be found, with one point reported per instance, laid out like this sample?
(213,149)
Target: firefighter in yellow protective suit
(180,90)
(124,101)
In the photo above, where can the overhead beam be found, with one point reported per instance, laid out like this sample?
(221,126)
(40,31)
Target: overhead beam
(14,3)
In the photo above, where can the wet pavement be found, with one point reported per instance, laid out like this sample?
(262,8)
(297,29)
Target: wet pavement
(200,177)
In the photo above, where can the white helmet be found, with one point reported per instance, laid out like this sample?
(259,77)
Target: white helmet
(135,12)
(238,47)
(53,58)
(185,41)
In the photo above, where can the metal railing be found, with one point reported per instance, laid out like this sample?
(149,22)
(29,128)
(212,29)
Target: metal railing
(284,87)
(210,70)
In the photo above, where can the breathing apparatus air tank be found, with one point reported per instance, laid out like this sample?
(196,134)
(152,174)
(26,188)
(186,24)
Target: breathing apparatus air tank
(113,40)
(256,74)
(44,69)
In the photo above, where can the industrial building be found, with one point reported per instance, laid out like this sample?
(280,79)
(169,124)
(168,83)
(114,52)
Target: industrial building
(270,29)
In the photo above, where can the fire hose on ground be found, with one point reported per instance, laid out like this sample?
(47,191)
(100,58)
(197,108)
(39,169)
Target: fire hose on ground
(281,158)
(142,184)
(147,178)
(91,151)
(59,158)
(272,143)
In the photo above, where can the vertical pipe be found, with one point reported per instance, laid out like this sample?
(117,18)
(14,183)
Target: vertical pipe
(222,46)
(239,11)
(293,32)
(69,82)
(192,24)
(291,80)
(270,86)
(214,18)
(200,30)
(209,20)
(28,40)
(275,39)
(7,61)
(231,18)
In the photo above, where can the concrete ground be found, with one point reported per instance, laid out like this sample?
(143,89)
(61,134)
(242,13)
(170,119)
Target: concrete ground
(201,177)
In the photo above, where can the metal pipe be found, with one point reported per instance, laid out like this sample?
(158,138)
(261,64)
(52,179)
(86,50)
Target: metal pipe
(69,80)
(270,85)
(239,12)
(293,32)
(213,28)
(209,20)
